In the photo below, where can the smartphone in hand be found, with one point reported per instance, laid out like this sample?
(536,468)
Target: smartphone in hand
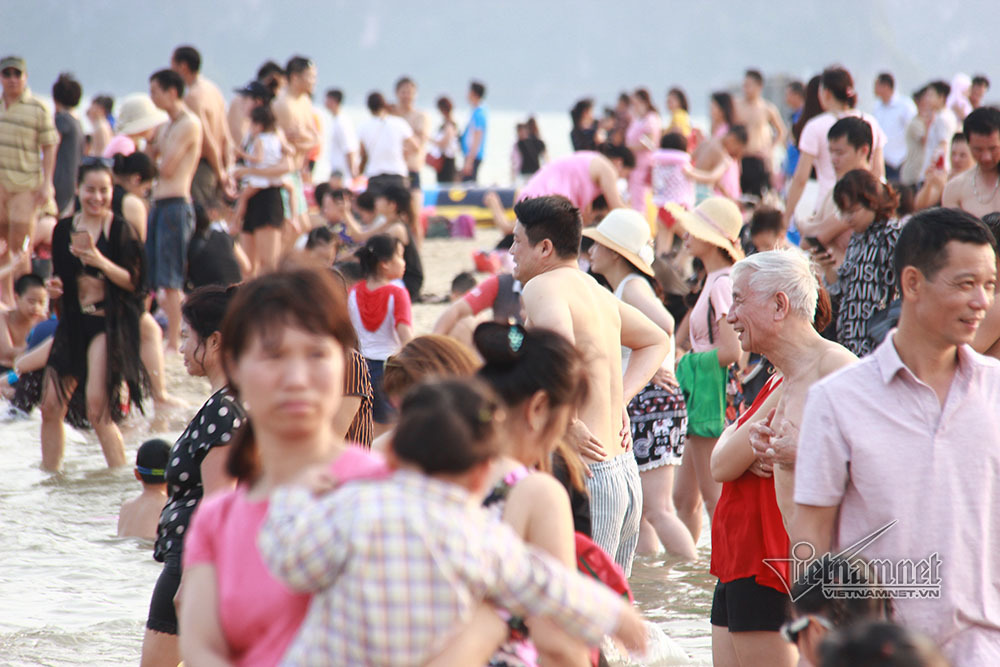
(815,243)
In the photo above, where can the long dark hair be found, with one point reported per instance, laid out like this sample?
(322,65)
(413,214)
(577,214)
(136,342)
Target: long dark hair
(725,103)
(299,297)
(810,109)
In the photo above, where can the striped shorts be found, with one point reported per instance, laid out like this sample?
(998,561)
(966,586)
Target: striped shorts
(616,507)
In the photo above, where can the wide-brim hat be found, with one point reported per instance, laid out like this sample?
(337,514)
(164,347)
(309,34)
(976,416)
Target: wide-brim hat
(716,220)
(625,231)
(137,113)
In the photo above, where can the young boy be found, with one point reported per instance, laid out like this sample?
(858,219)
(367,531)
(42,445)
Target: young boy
(31,306)
(139,516)
(396,564)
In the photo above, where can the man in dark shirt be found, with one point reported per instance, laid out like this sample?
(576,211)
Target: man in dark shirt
(66,93)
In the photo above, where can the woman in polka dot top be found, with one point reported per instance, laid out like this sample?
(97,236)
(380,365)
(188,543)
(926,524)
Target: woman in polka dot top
(196,466)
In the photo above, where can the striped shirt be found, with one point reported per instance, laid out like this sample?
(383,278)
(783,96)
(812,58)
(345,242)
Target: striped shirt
(25,126)
(397,564)
(358,382)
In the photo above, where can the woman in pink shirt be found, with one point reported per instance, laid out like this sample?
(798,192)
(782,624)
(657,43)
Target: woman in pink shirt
(642,138)
(284,340)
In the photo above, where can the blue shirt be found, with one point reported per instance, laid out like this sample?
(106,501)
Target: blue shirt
(476,122)
(792,158)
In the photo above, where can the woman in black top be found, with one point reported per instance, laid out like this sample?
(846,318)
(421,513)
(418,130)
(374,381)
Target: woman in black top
(99,265)
(196,466)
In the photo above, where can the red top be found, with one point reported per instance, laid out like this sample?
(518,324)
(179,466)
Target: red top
(483,295)
(373,305)
(747,525)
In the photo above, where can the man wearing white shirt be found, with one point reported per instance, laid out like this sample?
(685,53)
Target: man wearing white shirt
(893,113)
(386,141)
(343,148)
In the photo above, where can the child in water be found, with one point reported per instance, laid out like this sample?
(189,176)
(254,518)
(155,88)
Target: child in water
(138,517)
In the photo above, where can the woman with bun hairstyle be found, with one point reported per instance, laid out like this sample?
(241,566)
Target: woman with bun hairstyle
(623,254)
(838,99)
(381,313)
(541,379)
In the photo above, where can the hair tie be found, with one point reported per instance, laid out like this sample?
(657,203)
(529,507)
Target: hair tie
(515,338)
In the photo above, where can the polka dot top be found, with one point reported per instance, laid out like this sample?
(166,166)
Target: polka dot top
(213,426)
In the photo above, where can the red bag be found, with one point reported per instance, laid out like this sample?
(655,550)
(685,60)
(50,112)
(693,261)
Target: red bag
(593,561)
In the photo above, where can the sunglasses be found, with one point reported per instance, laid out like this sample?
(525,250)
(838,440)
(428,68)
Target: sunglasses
(93,161)
(791,630)
(11,73)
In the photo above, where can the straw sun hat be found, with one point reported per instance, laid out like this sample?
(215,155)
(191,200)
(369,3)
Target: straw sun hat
(716,220)
(137,114)
(627,233)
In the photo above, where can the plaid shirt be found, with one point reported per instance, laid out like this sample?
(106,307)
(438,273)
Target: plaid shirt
(398,564)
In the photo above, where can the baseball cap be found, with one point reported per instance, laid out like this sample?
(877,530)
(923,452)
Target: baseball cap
(255,89)
(15,62)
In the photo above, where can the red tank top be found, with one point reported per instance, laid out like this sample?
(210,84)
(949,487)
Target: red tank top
(747,525)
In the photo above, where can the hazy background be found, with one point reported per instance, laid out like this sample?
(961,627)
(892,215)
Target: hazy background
(535,56)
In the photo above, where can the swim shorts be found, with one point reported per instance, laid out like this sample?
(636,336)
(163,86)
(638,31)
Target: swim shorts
(659,426)
(171,224)
(743,605)
(264,209)
(205,188)
(616,507)
(755,177)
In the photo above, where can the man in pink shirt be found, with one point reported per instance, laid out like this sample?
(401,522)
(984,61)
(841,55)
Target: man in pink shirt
(903,447)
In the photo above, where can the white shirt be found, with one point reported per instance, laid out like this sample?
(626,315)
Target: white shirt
(894,117)
(343,141)
(940,132)
(383,139)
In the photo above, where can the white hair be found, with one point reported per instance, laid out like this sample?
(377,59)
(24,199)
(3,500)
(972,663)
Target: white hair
(787,271)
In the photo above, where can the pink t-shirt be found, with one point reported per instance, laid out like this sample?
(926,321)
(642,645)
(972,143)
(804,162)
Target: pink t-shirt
(729,184)
(649,125)
(120,143)
(719,291)
(259,615)
(814,142)
(877,442)
(670,184)
(568,176)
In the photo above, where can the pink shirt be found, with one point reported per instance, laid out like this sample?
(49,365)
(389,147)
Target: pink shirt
(258,614)
(568,176)
(649,125)
(876,441)
(670,184)
(719,291)
(814,142)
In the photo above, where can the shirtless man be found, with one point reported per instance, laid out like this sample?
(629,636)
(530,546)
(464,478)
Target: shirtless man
(205,100)
(850,141)
(31,305)
(406,97)
(560,297)
(171,220)
(765,130)
(977,191)
(717,164)
(293,110)
(774,304)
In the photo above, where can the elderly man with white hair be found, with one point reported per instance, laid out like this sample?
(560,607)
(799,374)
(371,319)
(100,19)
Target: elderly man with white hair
(777,310)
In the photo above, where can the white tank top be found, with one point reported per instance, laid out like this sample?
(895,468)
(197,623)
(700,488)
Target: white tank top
(668,363)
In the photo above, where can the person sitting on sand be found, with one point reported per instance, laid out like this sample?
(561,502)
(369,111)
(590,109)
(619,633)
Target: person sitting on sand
(138,517)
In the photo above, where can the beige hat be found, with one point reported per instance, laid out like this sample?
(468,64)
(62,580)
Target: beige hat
(137,113)
(716,220)
(625,231)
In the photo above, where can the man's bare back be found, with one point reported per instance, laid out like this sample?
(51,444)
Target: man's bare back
(971,193)
(205,100)
(598,324)
(419,122)
(177,153)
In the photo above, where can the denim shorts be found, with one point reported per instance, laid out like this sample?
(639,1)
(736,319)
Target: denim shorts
(171,224)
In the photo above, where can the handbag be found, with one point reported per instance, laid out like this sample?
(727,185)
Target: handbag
(883,321)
